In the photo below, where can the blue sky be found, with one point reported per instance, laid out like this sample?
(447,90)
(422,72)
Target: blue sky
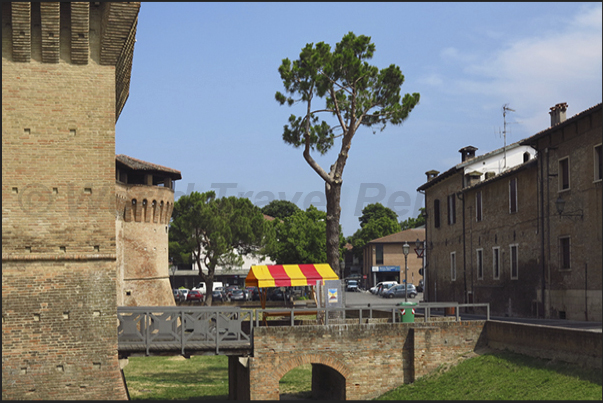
(204,77)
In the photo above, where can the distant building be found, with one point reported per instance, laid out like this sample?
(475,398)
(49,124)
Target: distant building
(493,235)
(384,258)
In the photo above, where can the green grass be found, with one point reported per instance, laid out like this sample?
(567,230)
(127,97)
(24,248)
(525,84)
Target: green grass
(177,378)
(490,376)
(504,376)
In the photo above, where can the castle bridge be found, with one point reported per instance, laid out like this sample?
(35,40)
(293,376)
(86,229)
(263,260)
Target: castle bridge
(356,353)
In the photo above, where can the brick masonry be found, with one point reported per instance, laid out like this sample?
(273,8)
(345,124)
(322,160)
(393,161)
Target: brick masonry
(59,318)
(142,245)
(372,358)
(363,361)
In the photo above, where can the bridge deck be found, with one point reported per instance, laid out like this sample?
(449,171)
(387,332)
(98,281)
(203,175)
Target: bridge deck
(186,330)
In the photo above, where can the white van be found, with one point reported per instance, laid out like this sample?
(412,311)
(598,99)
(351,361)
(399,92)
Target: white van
(202,288)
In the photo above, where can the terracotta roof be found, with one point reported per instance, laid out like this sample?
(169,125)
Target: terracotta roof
(268,217)
(531,141)
(140,165)
(439,178)
(504,174)
(409,235)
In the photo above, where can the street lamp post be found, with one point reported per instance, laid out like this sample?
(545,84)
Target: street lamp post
(421,252)
(405,250)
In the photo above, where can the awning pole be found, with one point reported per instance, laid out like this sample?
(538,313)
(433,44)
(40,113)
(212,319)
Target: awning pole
(263,297)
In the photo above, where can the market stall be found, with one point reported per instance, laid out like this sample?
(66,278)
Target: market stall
(287,275)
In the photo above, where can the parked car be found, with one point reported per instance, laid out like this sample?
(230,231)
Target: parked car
(386,286)
(352,285)
(378,286)
(398,291)
(238,295)
(420,286)
(279,295)
(194,295)
(255,294)
(249,292)
(228,290)
(178,295)
(218,295)
(184,292)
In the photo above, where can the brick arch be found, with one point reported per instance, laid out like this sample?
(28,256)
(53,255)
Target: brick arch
(296,360)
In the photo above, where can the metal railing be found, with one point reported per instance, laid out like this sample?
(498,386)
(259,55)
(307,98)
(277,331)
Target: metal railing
(164,328)
(181,328)
(324,315)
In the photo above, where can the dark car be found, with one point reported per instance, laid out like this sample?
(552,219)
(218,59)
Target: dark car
(255,294)
(194,295)
(420,286)
(218,295)
(279,295)
(238,295)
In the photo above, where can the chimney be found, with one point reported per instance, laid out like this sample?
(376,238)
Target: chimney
(467,153)
(558,113)
(431,174)
(471,178)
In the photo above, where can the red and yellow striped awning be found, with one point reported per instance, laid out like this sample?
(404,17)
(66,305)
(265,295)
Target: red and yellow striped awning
(288,275)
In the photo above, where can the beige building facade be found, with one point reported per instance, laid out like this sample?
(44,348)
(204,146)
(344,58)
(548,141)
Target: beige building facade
(384,258)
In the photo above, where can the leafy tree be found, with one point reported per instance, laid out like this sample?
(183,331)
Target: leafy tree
(354,94)
(280,209)
(376,210)
(376,221)
(300,238)
(211,230)
(410,222)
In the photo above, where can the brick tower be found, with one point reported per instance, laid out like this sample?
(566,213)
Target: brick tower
(65,79)
(145,200)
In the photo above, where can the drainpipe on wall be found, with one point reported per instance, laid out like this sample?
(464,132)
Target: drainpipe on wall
(461,196)
(542,255)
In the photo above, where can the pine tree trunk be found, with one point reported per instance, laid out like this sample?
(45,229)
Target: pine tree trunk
(333,194)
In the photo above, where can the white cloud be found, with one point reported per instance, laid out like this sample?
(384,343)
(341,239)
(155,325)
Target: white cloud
(537,72)
(432,79)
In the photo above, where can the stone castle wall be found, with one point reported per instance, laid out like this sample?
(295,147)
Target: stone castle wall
(142,245)
(59,108)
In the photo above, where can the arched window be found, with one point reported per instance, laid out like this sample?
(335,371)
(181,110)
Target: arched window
(134,212)
(144,211)
(161,212)
(154,210)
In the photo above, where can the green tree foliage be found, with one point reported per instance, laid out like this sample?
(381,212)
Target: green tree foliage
(280,209)
(343,85)
(216,231)
(300,238)
(410,222)
(376,221)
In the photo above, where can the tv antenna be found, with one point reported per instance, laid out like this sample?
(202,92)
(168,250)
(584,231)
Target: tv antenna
(505,109)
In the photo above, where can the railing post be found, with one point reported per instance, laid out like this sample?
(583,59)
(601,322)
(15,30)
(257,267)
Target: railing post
(181,316)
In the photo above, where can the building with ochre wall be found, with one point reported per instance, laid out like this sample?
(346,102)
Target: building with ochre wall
(65,79)
(145,199)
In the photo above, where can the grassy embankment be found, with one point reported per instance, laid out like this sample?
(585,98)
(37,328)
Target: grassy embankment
(490,376)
